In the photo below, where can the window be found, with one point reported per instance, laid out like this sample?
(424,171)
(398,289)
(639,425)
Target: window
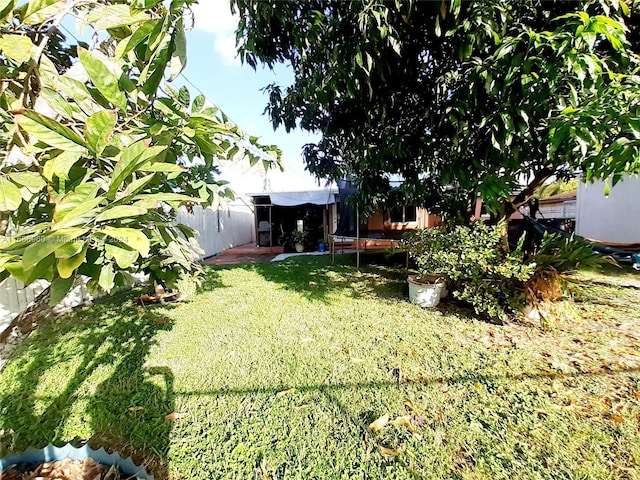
(403,214)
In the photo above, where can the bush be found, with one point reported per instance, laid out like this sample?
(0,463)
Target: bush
(556,258)
(478,269)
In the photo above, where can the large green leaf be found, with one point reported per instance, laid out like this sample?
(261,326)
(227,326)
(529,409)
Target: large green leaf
(130,237)
(103,78)
(130,159)
(42,270)
(167,197)
(5,8)
(112,16)
(16,47)
(107,277)
(60,165)
(10,197)
(50,132)
(48,244)
(123,257)
(179,55)
(77,202)
(59,289)
(198,103)
(120,211)
(40,10)
(162,167)
(70,249)
(67,266)
(98,129)
(135,187)
(140,34)
(60,104)
(31,180)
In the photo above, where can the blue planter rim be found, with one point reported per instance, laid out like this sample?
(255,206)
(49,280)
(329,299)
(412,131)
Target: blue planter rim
(51,453)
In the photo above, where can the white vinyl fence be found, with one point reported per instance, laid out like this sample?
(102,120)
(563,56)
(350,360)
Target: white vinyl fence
(15,297)
(226,227)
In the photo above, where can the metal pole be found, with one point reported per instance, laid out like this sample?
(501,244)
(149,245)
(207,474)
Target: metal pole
(357,237)
(270,231)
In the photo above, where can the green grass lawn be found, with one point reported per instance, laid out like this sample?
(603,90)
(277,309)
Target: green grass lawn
(277,371)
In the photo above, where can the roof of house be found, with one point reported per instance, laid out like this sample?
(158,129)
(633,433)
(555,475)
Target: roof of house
(560,197)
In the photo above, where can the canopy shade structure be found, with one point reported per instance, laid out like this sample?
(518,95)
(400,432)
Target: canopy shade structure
(278,214)
(293,199)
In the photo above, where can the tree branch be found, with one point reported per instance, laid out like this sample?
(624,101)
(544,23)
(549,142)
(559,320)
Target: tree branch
(510,207)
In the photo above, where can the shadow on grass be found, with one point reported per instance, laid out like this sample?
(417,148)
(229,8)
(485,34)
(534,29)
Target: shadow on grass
(381,275)
(318,277)
(115,340)
(333,393)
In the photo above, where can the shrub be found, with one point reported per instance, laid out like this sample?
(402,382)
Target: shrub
(478,269)
(556,258)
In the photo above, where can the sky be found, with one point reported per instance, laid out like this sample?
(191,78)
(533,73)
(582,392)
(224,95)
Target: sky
(213,66)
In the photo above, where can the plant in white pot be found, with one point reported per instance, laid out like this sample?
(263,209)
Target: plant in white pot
(429,285)
(299,237)
(475,265)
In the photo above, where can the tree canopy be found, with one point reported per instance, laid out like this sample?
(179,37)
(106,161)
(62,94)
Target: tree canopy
(97,151)
(459,99)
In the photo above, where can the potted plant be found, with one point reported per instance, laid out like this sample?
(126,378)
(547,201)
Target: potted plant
(298,237)
(474,264)
(425,292)
(429,285)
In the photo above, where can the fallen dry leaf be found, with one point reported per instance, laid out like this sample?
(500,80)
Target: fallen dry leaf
(410,406)
(172,417)
(286,392)
(404,421)
(616,418)
(379,423)
(263,468)
(631,352)
(136,409)
(161,321)
(392,452)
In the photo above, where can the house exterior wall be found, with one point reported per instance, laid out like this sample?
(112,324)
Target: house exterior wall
(614,218)
(561,209)
(478,214)
(376,222)
(380,222)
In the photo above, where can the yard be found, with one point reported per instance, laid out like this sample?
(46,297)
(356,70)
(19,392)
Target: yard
(277,371)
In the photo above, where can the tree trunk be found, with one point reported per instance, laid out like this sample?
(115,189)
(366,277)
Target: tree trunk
(26,321)
(510,207)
